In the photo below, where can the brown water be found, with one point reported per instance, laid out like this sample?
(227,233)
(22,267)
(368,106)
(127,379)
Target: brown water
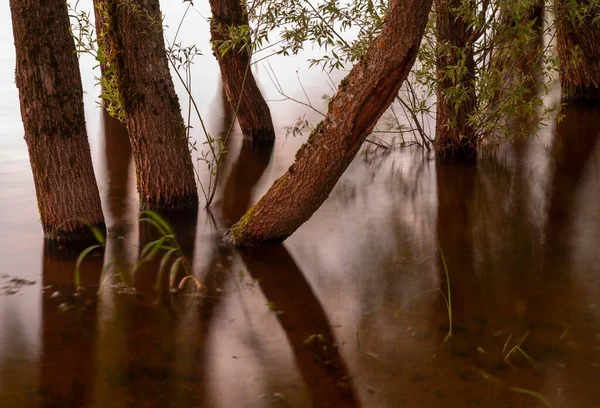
(345,312)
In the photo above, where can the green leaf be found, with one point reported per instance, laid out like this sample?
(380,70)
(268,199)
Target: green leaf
(80,259)
(98,235)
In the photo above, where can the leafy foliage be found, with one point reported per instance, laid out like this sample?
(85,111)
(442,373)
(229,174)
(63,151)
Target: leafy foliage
(515,65)
(91,41)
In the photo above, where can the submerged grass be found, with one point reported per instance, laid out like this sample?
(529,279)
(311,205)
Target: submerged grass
(517,348)
(537,395)
(101,244)
(446,296)
(166,244)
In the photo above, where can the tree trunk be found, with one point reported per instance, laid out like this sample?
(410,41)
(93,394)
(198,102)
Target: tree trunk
(578,47)
(240,87)
(132,36)
(49,82)
(455,136)
(361,99)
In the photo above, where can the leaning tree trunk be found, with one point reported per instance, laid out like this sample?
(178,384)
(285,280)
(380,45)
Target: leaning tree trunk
(253,113)
(137,68)
(360,101)
(49,82)
(578,47)
(455,136)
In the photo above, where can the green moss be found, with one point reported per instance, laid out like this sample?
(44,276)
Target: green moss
(315,132)
(237,228)
(345,82)
(301,150)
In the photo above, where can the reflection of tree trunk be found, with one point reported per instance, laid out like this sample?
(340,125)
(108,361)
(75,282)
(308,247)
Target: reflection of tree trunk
(305,324)
(251,163)
(362,98)
(118,165)
(456,197)
(51,96)
(253,114)
(132,32)
(572,148)
(455,136)
(68,330)
(121,210)
(578,47)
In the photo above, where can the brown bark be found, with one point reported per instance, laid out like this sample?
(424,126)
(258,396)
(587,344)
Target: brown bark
(455,136)
(361,99)
(51,97)
(240,87)
(579,70)
(132,33)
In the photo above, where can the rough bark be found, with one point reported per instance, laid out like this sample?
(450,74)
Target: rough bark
(240,87)
(578,48)
(455,136)
(132,33)
(51,97)
(360,101)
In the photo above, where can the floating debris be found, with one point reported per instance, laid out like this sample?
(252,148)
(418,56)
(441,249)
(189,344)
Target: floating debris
(13,285)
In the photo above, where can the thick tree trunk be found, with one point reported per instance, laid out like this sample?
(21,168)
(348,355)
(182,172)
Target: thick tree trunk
(132,34)
(578,47)
(240,87)
(361,99)
(455,136)
(49,82)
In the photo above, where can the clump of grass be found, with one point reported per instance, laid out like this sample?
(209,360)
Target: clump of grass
(166,244)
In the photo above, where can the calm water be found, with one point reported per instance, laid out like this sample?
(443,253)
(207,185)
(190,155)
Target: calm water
(345,312)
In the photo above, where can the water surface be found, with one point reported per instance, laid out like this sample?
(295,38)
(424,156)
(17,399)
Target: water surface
(346,312)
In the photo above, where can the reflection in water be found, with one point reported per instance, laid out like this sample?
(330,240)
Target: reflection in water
(455,236)
(346,312)
(68,328)
(573,150)
(121,199)
(305,323)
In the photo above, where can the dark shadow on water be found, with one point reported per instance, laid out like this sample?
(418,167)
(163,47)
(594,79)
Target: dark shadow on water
(456,198)
(67,363)
(572,151)
(305,324)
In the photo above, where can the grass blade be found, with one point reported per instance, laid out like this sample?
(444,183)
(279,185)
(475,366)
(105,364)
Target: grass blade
(159,222)
(449,293)
(80,259)
(533,394)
